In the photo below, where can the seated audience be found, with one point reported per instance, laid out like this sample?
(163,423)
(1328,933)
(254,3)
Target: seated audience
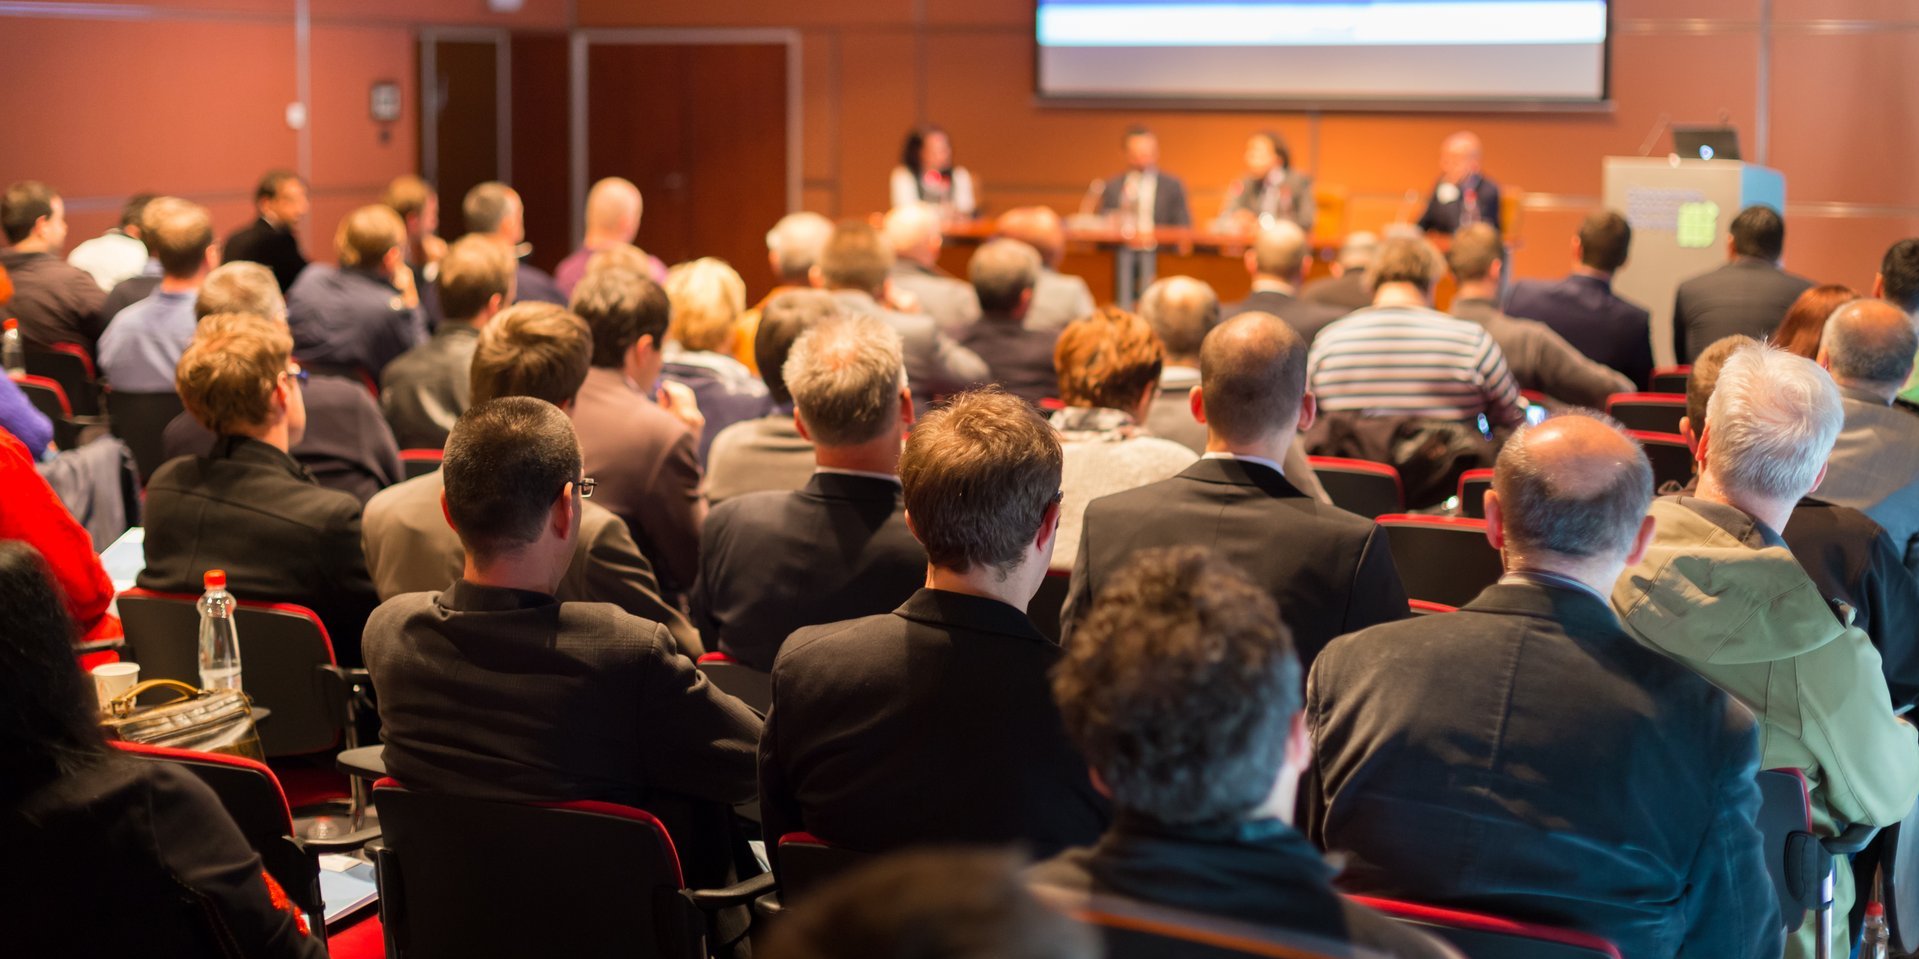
(493,210)
(643,447)
(1277,261)
(1718,591)
(356,319)
(1183,693)
(425,389)
(1058,298)
(418,204)
(770,453)
(1897,282)
(853,266)
(1330,571)
(55,302)
(1539,359)
(1610,329)
(1805,321)
(621,717)
(838,548)
(1749,295)
(142,343)
(934,723)
(1609,789)
(1109,369)
(792,248)
(1868,348)
(613,211)
(1181,310)
(119,253)
(913,232)
(92,821)
(280,199)
(246,505)
(707,298)
(1346,289)
(537,350)
(1020,360)
(34,515)
(347,444)
(926,174)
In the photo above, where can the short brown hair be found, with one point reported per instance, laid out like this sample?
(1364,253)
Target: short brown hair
(407,195)
(227,375)
(1475,249)
(1252,374)
(531,349)
(24,203)
(1107,359)
(366,234)
(1406,260)
(855,257)
(708,297)
(620,306)
(507,461)
(178,233)
(1605,238)
(241,286)
(978,476)
(474,270)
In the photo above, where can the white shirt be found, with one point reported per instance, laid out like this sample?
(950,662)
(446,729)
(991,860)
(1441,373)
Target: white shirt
(1261,460)
(110,257)
(1144,186)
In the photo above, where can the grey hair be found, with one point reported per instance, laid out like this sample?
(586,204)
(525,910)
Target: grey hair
(485,206)
(796,241)
(1001,270)
(241,287)
(1864,352)
(1182,310)
(1773,418)
(910,226)
(845,376)
(1281,249)
(1571,513)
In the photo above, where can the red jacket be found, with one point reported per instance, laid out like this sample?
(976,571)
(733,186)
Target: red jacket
(30,512)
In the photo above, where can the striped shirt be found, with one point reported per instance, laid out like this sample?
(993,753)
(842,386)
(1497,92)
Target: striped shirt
(1410,361)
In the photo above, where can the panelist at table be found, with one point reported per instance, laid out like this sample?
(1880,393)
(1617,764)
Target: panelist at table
(1271,190)
(1144,192)
(1462,196)
(926,174)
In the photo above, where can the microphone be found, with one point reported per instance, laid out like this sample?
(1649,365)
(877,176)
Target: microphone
(1645,149)
(1089,204)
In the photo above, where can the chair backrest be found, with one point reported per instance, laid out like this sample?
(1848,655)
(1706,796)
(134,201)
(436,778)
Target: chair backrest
(1672,460)
(1653,412)
(470,877)
(1443,559)
(806,862)
(736,679)
(140,420)
(50,400)
(1473,485)
(68,365)
(1670,379)
(1050,602)
(1785,826)
(420,462)
(1491,937)
(1425,607)
(283,651)
(1360,486)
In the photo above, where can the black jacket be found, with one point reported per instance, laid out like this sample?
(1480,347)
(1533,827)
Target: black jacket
(1021,360)
(1526,757)
(1746,296)
(1597,322)
(275,248)
(347,446)
(1444,217)
(1306,317)
(773,563)
(934,723)
(1329,570)
(1855,562)
(1169,199)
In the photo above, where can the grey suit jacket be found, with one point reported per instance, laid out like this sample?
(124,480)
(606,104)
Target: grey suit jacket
(935,362)
(411,549)
(1542,360)
(1058,300)
(950,301)
(426,388)
(1746,296)
(648,467)
(1874,468)
(766,454)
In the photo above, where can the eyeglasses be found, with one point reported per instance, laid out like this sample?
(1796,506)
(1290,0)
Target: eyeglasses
(297,374)
(586,485)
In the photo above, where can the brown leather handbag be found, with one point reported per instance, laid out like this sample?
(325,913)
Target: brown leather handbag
(203,720)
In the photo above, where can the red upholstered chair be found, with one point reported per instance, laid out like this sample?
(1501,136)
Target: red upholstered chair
(1653,412)
(420,462)
(1443,559)
(1359,486)
(1130,929)
(738,680)
(1490,937)
(549,879)
(1670,379)
(1672,460)
(51,400)
(806,862)
(68,365)
(1473,485)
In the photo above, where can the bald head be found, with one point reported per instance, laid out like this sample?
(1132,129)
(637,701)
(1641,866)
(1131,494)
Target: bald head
(613,209)
(1459,156)
(1038,227)
(1182,311)
(1869,344)
(1280,252)
(1571,490)
(913,232)
(1252,376)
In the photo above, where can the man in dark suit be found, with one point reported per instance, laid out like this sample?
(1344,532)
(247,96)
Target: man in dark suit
(270,240)
(769,453)
(853,267)
(1005,275)
(1608,328)
(935,722)
(1462,195)
(245,506)
(1566,774)
(1184,694)
(1748,296)
(1271,191)
(1277,261)
(602,706)
(1329,570)
(839,548)
(913,233)
(1058,298)
(1143,193)
(426,388)
(1346,288)
(494,210)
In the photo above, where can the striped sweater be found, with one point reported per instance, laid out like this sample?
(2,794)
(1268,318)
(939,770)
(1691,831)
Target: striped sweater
(1409,361)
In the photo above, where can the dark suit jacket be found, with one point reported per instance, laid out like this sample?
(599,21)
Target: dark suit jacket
(255,512)
(347,445)
(1021,360)
(1329,570)
(1528,758)
(530,283)
(1607,328)
(934,723)
(262,242)
(1746,296)
(773,563)
(1444,217)
(1306,317)
(1854,561)
(648,467)
(1169,199)
(767,454)
(1346,291)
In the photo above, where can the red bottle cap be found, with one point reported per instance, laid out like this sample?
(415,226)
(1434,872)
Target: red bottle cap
(215,579)
(10,324)
(1875,909)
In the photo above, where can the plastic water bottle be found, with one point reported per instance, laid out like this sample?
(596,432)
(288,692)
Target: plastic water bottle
(12,355)
(219,639)
(1876,942)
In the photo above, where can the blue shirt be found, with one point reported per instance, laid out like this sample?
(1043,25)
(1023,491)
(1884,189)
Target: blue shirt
(144,342)
(18,416)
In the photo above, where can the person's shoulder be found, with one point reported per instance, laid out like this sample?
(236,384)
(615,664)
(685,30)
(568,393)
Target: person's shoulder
(1364,648)
(607,632)
(836,641)
(406,495)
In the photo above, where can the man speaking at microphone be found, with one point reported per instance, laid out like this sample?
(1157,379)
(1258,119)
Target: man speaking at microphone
(1463,196)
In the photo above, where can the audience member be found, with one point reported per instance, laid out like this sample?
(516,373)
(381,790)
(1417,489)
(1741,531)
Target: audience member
(1463,195)
(493,210)
(142,343)
(853,266)
(613,211)
(246,506)
(775,562)
(926,175)
(140,285)
(770,453)
(1335,574)
(621,717)
(1271,192)
(1582,308)
(1749,295)
(1058,298)
(1538,358)
(1019,359)
(1143,193)
(182,877)
(347,445)
(1183,693)
(1181,310)
(1346,288)
(424,390)
(1109,368)
(1898,282)
(1718,591)
(707,298)
(792,248)
(1868,348)
(55,302)
(1611,789)
(643,447)
(1805,320)
(934,723)
(356,319)
(271,239)
(913,233)
(119,253)
(418,205)
(35,516)
(1277,260)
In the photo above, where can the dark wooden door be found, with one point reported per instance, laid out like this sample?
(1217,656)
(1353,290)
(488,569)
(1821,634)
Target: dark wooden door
(466,123)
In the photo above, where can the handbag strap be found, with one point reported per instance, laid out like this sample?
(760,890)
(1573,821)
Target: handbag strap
(122,705)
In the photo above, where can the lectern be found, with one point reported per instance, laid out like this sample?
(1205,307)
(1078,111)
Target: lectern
(1680,212)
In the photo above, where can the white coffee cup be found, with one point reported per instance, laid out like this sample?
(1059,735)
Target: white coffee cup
(112,679)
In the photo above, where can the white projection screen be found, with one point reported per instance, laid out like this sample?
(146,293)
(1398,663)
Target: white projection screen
(1386,54)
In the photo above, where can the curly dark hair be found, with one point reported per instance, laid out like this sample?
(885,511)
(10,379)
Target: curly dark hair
(1180,688)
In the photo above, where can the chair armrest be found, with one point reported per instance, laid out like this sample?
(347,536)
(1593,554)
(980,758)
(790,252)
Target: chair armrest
(366,762)
(768,906)
(1855,838)
(738,894)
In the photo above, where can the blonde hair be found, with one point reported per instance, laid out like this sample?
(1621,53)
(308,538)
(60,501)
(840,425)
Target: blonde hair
(227,375)
(708,297)
(366,234)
